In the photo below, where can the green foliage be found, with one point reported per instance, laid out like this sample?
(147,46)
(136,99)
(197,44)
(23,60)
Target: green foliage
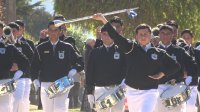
(34,17)
(152,12)
(79,36)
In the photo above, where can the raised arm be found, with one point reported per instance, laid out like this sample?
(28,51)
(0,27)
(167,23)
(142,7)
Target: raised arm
(125,45)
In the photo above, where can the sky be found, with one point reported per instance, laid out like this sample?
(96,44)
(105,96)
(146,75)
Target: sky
(47,4)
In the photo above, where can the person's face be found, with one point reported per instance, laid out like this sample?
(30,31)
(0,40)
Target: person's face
(143,37)
(15,32)
(188,38)
(118,27)
(91,43)
(166,36)
(106,38)
(53,32)
(21,31)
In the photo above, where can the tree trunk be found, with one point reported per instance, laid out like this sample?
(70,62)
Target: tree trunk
(7,10)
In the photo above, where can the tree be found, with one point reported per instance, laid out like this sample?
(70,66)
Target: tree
(34,17)
(151,12)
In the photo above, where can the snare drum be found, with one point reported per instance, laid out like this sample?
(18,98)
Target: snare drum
(110,98)
(7,86)
(59,87)
(175,95)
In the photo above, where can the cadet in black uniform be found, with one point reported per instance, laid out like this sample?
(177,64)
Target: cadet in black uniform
(145,66)
(187,35)
(188,67)
(22,93)
(74,91)
(54,59)
(9,55)
(106,68)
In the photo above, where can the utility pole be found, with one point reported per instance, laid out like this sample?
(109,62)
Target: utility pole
(7,10)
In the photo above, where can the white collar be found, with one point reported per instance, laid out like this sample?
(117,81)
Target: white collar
(198,47)
(19,38)
(148,46)
(1,39)
(54,43)
(108,45)
(165,46)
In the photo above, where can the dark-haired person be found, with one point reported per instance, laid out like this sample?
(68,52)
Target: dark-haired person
(187,35)
(187,72)
(21,37)
(21,95)
(145,66)
(73,94)
(105,70)
(11,60)
(53,60)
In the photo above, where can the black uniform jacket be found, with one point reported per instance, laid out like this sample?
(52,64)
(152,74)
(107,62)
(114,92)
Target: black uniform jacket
(26,49)
(105,67)
(140,63)
(196,56)
(51,65)
(9,54)
(186,62)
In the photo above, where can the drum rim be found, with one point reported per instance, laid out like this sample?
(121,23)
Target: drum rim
(53,95)
(187,88)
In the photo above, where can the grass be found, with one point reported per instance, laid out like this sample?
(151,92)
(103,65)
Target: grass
(34,109)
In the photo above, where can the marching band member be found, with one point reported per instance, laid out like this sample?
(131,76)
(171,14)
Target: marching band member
(105,70)
(145,66)
(187,35)
(11,60)
(73,94)
(22,93)
(188,68)
(53,60)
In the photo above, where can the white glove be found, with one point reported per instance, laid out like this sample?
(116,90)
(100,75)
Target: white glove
(72,72)
(36,84)
(91,100)
(188,80)
(17,74)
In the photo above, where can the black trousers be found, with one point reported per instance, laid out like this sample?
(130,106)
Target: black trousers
(74,96)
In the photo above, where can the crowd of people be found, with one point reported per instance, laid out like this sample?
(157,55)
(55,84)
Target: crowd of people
(154,61)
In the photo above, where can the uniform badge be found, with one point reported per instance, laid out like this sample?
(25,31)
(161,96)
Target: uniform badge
(2,50)
(173,57)
(19,48)
(154,56)
(116,55)
(61,54)
(46,52)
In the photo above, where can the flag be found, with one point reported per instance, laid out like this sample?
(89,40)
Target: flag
(131,14)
